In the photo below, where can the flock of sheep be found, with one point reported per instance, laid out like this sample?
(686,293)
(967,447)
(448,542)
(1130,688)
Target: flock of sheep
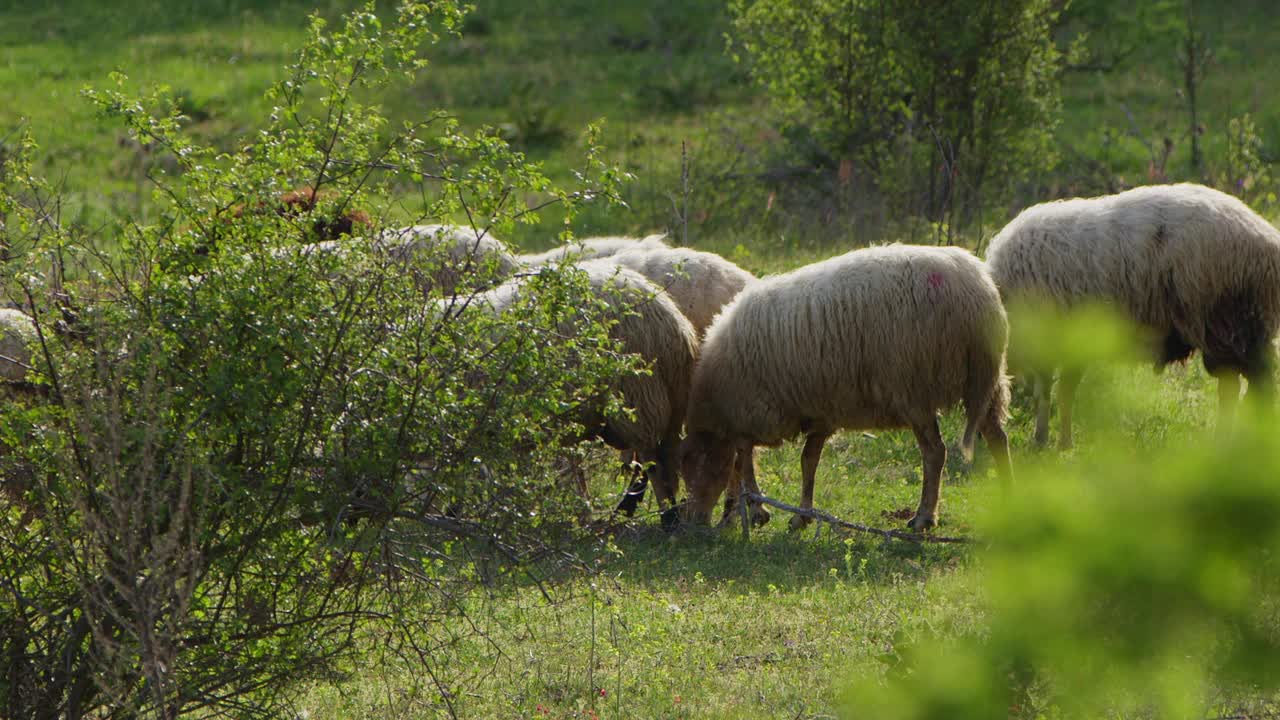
(884,337)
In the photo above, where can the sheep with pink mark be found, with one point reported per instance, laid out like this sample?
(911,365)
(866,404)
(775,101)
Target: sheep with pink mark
(883,337)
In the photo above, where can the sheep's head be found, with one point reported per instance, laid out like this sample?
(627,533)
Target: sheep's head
(706,461)
(303,201)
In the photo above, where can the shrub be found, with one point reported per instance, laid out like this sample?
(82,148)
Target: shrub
(253,460)
(937,104)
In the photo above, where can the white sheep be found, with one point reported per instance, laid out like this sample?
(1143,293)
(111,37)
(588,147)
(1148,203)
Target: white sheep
(467,250)
(17,335)
(651,326)
(1193,266)
(597,247)
(877,338)
(701,283)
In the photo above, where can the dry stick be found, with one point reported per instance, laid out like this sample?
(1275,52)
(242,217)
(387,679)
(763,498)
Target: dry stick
(833,520)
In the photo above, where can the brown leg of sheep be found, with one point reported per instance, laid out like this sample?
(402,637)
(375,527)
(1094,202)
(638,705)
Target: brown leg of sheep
(744,478)
(669,464)
(1067,384)
(808,469)
(669,460)
(747,456)
(657,475)
(731,493)
(1041,383)
(934,451)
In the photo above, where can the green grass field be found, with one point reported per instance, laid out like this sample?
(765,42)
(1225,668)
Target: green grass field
(704,624)
(695,624)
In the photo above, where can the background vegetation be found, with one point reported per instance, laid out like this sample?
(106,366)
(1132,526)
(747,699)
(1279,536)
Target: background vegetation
(1134,576)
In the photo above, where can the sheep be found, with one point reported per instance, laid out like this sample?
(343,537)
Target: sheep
(466,248)
(701,283)
(17,334)
(597,247)
(1194,267)
(882,337)
(651,326)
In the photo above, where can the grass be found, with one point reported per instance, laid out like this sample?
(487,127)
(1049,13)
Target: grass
(696,624)
(704,624)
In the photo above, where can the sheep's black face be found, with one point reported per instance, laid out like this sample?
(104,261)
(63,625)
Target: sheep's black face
(706,462)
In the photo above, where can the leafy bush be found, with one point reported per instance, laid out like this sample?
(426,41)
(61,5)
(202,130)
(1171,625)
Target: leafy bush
(936,104)
(254,458)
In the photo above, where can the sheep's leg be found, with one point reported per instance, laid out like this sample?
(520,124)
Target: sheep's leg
(998,443)
(808,469)
(1041,384)
(669,459)
(1067,384)
(658,470)
(744,479)
(747,456)
(732,491)
(669,462)
(1228,399)
(934,451)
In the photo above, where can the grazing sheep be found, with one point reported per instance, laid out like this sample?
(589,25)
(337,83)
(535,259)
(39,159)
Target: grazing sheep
(877,338)
(651,326)
(17,333)
(701,283)
(17,338)
(467,249)
(1193,266)
(598,247)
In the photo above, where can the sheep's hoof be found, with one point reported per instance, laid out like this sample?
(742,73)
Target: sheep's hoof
(921,523)
(798,522)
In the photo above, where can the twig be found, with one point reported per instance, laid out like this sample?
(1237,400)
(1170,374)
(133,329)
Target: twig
(833,520)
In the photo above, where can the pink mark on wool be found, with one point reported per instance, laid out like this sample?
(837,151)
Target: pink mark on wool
(933,286)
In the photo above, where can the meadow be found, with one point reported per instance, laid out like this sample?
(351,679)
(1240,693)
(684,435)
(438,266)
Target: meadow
(696,623)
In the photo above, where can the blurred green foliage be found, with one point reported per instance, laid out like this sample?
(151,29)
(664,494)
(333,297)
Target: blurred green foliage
(1134,581)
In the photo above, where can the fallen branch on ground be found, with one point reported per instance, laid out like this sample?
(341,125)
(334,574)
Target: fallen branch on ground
(830,519)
